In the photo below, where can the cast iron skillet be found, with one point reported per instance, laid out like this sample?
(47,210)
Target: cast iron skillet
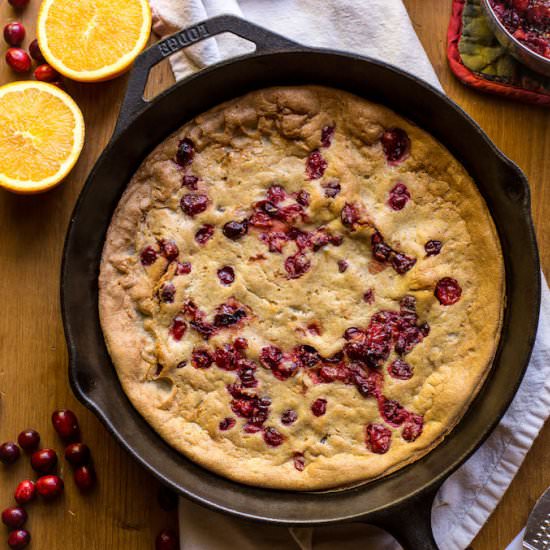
(400,502)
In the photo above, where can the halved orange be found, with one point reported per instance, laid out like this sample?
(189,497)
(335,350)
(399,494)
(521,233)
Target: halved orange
(93,40)
(41,136)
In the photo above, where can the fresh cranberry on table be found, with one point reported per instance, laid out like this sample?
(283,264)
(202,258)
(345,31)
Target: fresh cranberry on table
(49,487)
(25,491)
(84,477)
(34,50)
(448,291)
(167,540)
(396,145)
(9,452)
(14,517)
(44,461)
(65,424)
(319,407)
(14,33)
(19,60)
(234,230)
(77,454)
(19,539)
(19,4)
(46,73)
(28,440)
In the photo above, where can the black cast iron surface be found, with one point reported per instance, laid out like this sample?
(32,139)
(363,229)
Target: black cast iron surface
(402,501)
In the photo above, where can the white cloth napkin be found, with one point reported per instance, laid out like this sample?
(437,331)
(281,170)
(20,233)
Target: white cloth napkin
(380,29)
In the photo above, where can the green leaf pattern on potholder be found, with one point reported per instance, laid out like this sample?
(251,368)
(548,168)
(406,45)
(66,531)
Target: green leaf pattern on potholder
(482,53)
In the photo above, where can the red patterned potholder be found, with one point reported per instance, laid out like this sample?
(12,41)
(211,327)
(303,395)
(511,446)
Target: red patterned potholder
(478,60)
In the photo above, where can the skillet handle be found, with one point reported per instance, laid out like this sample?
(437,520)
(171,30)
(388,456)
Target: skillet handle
(411,523)
(134,103)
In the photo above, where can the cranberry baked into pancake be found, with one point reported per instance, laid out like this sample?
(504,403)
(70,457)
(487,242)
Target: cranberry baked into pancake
(301,290)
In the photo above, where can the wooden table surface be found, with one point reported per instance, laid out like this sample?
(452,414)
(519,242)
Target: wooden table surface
(123,513)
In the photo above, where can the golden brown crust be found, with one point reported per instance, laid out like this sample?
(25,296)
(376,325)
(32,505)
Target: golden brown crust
(243,147)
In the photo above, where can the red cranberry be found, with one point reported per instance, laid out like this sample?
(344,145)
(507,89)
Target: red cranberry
(303,198)
(167,540)
(183,268)
(190,181)
(378,438)
(201,358)
(234,230)
(240,343)
(272,437)
(433,248)
(46,73)
(14,33)
(299,462)
(14,517)
(204,233)
(169,249)
(19,4)
(368,297)
(402,263)
(28,440)
(9,452)
(178,328)
(399,196)
(65,424)
(185,152)
(25,491)
(392,412)
(289,417)
(413,427)
(349,215)
(400,369)
(194,203)
(396,145)
(315,165)
(276,194)
(327,133)
(167,292)
(297,265)
(44,461)
(332,188)
(226,275)
(148,256)
(227,423)
(167,499)
(77,454)
(18,59)
(20,538)
(448,291)
(342,266)
(49,487)
(319,407)
(84,477)
(34,50)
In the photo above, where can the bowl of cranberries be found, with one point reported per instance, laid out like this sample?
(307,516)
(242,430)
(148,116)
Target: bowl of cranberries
(523,28)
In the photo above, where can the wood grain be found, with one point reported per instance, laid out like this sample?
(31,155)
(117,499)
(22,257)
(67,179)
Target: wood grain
(123,513)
